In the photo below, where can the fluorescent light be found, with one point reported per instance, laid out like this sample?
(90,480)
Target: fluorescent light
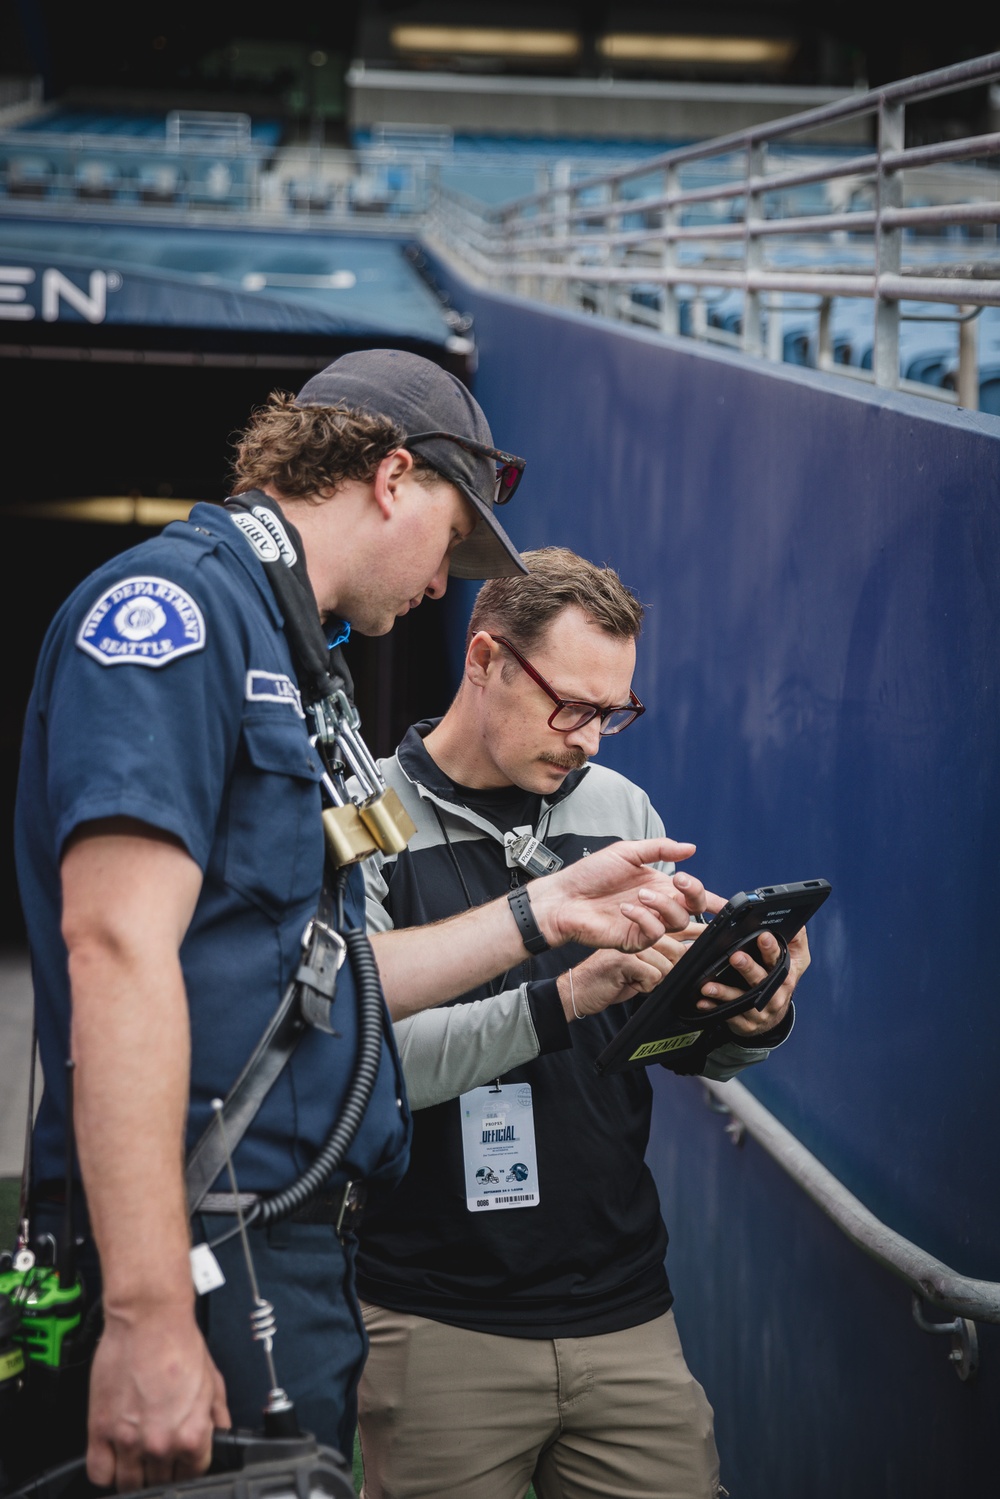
(485,41)
(633,47)
(113,510)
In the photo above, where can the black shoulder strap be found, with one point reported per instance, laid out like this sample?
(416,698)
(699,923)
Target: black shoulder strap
(307,1000)
(321,671)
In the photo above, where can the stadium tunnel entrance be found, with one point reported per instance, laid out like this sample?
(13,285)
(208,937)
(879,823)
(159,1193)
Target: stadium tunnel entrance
(158,430)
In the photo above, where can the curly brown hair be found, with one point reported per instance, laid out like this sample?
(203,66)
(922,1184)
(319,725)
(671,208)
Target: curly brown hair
(522,608)
(305,451)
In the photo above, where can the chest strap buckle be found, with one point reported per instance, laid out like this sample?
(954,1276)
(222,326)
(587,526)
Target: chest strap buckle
(317,973)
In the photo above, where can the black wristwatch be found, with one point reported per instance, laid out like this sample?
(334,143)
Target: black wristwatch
(531,935)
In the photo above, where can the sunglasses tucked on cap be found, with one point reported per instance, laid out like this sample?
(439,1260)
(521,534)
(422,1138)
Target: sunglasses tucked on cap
(447,427)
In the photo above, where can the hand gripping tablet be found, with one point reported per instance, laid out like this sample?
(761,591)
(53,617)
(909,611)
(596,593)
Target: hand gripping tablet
(669,1018)
(756,997)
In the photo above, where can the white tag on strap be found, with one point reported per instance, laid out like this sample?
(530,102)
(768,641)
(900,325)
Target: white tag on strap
(205,1270)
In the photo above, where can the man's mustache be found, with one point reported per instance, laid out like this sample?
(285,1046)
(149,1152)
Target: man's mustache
(574,759)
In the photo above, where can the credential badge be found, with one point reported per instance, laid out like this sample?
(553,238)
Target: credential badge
(142,622)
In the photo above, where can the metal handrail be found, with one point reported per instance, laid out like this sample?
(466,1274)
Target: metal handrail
(859,166)
(908,90)
(933,1283)
(560,242)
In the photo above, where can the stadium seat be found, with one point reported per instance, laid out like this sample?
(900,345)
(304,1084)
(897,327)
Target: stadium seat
(29,176)
(309,195)
(96,180)
(928,368)
(989,389)
(215,184)
(159,182)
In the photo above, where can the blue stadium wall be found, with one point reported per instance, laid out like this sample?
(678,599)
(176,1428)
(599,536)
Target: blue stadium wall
(819,662)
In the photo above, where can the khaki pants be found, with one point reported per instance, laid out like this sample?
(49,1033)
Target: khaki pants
(450,1414)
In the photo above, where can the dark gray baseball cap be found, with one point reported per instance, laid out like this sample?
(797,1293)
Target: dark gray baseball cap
(422,397)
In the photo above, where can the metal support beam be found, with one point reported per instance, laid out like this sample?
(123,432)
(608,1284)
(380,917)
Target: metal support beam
(669,309)
(561,203)
(699,315)
(888,246)
(610,297)
(753,209)
(968,361)
(775,331)
(824,352)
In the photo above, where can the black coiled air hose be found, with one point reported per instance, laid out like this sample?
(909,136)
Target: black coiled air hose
(277,1205)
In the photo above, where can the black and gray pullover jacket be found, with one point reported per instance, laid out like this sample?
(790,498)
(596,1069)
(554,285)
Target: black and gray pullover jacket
(589,1257)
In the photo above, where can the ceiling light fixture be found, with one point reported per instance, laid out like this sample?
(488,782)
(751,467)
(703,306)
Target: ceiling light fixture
(107,510)
(485,41)
(633,47)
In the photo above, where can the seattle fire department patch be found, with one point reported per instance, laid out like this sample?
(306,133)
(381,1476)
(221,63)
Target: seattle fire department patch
(142,622)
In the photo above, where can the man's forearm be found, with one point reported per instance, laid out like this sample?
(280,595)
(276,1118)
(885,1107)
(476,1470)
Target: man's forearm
(613,899)
(130,1042)
(428,965)
(446,1051)
(155,1394)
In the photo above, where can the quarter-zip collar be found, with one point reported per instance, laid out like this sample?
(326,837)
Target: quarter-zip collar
(431,783)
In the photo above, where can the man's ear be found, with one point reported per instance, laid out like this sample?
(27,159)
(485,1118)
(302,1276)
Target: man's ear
(482,658)
(387,476)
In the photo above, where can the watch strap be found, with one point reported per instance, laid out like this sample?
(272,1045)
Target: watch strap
(531,935)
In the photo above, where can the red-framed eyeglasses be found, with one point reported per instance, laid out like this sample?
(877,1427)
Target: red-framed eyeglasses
(570,715)
(509,467)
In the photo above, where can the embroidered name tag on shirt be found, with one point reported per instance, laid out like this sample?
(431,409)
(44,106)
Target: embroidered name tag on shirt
(273,687)
(498,1145)
(142,622)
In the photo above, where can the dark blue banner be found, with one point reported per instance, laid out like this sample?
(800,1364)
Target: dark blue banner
(224,279)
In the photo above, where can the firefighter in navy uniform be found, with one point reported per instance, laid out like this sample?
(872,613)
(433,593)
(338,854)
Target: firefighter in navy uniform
(204,741)
(171,852)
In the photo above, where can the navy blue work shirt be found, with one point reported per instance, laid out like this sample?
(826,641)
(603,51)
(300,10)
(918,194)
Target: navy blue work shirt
(165,692)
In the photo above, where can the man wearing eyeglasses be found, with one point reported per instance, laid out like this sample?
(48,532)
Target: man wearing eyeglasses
(514,1288)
